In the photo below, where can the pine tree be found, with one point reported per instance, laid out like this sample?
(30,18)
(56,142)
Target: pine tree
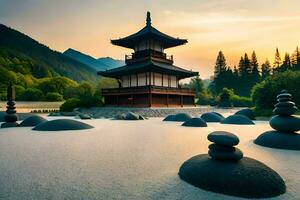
(296,59)
(255,76)
(220,73)
(221,65)
(286,65)
(265,69)
(277,61)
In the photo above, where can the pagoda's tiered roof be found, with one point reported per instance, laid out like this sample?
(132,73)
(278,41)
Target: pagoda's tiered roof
(148,32)
(148,66)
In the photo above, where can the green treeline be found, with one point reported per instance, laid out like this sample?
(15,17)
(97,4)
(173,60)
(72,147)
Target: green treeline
(250,84)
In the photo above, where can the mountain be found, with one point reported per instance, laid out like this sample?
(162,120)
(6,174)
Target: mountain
(21,54)
(112,63)
(96,64)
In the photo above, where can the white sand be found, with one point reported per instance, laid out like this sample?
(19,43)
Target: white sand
(122,160)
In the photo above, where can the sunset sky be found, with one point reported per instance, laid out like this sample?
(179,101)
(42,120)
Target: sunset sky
(233,26)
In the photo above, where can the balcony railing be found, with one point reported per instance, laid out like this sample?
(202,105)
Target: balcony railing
(144,55)
(148,89)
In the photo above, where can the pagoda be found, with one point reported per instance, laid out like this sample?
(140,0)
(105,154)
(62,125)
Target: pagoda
(149,78)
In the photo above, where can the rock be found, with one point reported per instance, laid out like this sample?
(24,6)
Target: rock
(169,118)
(131,116)
(223,138)
(279,140)
(84,116)
(285,110)
(195,122)
(286,126)
(32,121)
(237,119)
(180,117)
(120,117)
(285,123)
(218,114)
(62,125)
(246,112)
(54,114)
(211,117)
(217,147)
(9,125)
(226,155)
(246,178)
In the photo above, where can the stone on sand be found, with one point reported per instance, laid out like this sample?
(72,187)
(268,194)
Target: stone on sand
(195,122)
(32,121)
(62,125)
(237,119)
(212,117)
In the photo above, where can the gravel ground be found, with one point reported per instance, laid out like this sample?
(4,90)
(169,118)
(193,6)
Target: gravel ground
(122,160)
(110,112)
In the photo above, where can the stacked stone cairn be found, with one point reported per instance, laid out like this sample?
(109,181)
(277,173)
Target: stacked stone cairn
(224,170)
(285,124)
(11,117)
(223,146)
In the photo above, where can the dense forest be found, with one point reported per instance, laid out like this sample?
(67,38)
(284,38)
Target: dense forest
(251,84)
(38,72)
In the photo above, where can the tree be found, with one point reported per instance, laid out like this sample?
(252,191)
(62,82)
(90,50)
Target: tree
(265,69)
(296,59)
(196,84)
(255,76)
(277,60)
(286,65)
(220,73)
(221,65)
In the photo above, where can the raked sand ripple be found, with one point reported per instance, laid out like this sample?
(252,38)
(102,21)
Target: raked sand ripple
(123,160)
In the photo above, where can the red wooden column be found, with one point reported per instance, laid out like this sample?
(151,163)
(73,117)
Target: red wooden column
(150,99)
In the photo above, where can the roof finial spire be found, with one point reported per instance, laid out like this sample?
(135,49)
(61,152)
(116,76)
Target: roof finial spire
(148,20)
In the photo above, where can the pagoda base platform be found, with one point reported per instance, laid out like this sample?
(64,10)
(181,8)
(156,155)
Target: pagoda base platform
(149,96)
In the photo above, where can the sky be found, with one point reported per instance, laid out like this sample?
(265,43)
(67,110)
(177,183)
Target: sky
(233,26)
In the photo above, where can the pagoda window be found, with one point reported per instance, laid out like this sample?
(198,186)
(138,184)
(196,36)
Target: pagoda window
(133,80)
(165,81)
(173,81)
(157,79)
(125,81)
(142,79)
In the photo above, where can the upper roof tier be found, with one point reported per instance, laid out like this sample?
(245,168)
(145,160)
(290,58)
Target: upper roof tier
(148,32)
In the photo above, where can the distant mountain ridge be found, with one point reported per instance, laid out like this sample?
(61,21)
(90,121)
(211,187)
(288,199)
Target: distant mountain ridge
(43,60)
(99,64)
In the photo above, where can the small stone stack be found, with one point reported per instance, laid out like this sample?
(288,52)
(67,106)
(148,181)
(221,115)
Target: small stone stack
(223,146)
(286,125)
(11,117)
(285,108)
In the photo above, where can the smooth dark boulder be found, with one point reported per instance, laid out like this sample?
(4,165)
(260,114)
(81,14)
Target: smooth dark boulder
(287,111)
(120,117)
(9,125)
(217,147)
(218,114)
(279,140)
(180,117)
(246,178)
(195,122)
(237,119)
(169,118)
(85,116)
(132,116)
(211,117)
(223,138)
(32,121)
(235,155)
(285,123)
(62,125)
(246,112)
